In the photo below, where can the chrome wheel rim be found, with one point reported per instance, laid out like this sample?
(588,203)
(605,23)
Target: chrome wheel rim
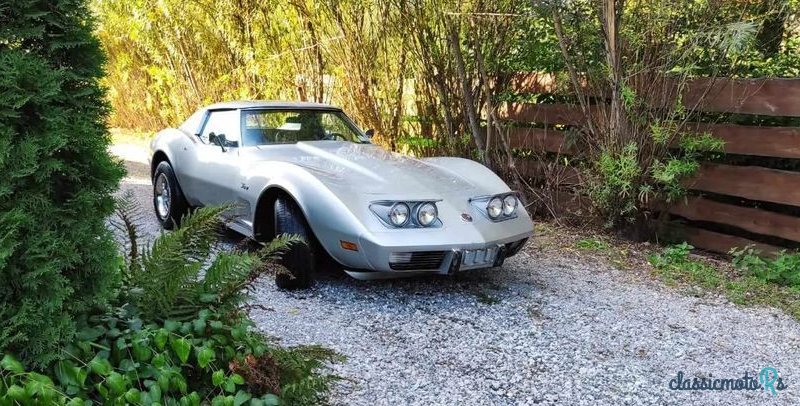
(162,196)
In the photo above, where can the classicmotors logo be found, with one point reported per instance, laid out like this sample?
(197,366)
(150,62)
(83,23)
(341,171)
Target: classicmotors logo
(768,380)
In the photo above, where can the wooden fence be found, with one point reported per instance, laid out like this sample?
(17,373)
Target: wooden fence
(730,205)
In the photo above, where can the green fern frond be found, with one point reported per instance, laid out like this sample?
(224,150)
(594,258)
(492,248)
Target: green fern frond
(228,275)
(171,266)
(278,246)
(128,217)
(180,273)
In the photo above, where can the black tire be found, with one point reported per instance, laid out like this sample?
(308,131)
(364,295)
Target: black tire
(299,260)
(168,215)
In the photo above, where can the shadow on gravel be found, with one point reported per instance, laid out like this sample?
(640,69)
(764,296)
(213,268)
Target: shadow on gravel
(484,285)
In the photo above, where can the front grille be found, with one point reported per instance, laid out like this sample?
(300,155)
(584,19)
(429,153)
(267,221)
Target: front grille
(406,261)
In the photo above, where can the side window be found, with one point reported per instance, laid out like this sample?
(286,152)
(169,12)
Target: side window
(192,124)
(222,122)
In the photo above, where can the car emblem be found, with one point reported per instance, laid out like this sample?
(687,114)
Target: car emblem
(466,217)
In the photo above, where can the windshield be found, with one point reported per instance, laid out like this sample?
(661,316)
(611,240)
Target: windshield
(264,127)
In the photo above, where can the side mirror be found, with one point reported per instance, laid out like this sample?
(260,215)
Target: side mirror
(218,139)
(370,133)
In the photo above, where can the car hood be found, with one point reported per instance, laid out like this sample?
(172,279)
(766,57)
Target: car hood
(368,169)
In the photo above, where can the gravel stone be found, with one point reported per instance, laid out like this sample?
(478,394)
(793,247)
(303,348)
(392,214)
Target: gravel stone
(561,330)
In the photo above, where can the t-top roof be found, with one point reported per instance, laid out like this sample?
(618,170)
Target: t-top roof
(271,104)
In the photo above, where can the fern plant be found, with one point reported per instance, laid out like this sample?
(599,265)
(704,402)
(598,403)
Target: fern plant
(183,272)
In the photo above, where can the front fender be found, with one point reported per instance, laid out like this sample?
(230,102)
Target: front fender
(170,143)
(331,216)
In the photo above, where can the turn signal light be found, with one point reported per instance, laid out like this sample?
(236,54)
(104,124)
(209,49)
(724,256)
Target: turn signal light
(350,246)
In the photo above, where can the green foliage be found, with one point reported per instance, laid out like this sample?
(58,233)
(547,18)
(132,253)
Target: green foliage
(118,361)
(639,149)
(57,260)
(184,341)
(299,367)
(784,269)
(763,282)
(669,174)
(674,264)
(380,61)
(592,244)
(21,387)
(614,190)
(693,144)
(625,182)
(181,273)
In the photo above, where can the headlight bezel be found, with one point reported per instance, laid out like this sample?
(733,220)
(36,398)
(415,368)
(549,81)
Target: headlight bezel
(382,210)
(482,204)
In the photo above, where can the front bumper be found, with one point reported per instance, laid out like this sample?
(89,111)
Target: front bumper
(401,260)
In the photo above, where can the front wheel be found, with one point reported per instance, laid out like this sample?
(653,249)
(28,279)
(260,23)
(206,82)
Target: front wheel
(299,259)
(168,201)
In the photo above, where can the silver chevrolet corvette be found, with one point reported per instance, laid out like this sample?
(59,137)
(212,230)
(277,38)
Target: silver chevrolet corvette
(306,169)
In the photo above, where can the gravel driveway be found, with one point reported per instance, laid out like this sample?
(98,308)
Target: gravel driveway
(549,327)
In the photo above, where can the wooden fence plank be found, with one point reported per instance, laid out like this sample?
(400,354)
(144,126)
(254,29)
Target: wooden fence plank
(538,139)
(548,114)
(543,82)
(765,96)
(754,220)
(534,82)
(749,182)
(722,243)
(782,142)
(553,172)
(772,97)
(563,204)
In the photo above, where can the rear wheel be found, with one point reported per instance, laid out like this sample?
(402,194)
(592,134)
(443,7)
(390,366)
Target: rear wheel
(299,260)
(168,200)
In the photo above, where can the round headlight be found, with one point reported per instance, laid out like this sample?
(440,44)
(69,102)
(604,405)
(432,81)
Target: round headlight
(426,214)
(495,207)
(510,205)
(398,214)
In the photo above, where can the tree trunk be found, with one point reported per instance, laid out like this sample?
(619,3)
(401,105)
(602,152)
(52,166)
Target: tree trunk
(616,120)
(468,99)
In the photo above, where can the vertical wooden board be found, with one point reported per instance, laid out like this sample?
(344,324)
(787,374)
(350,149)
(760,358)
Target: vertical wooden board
(772,97)
(749,182)
(756,221)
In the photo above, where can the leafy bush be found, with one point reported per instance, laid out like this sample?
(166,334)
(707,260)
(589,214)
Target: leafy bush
(624,184)
(207,360)
(178,334)
(674,264)
(614,189)
(56,258)
(182,273)
(751,288)
(782,270)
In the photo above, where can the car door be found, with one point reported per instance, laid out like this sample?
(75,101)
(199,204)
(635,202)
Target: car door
(214,176)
